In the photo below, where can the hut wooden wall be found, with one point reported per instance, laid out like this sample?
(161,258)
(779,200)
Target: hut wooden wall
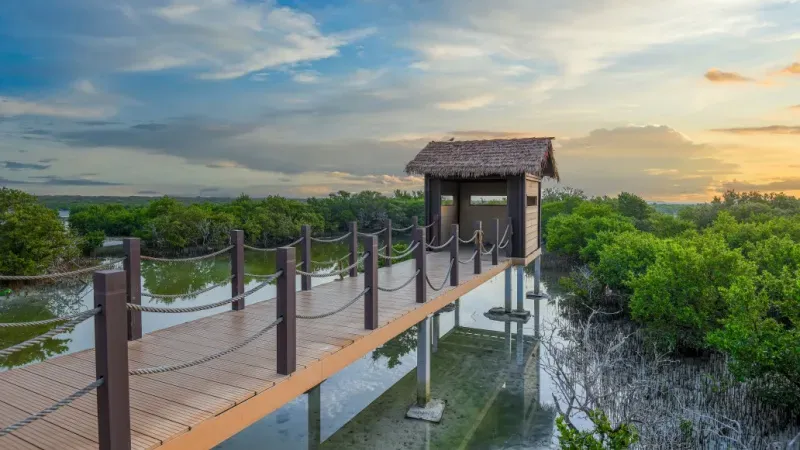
(533,190)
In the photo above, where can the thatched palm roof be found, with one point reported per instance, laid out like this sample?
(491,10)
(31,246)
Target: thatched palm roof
(503,157)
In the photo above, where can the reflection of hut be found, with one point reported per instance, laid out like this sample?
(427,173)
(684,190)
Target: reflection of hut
(467,181)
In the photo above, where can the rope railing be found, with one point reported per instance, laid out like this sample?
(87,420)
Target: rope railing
(403,229)
(402,255)
(395,289)
(54,332)
(470,259)
(194,258)
(188,294)
(37,323)
(335,311)
(329,241)
(52,408)
(335,272)
(273,249)
(435,221)
(330,261)
(446,278)
(371,233)
(505,233)
(186,365)
(57,275)
(474,236)
(442,246)
(484,251)
(189,309)
(504,245)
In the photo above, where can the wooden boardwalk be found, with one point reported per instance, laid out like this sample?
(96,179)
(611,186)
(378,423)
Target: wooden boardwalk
(200,406)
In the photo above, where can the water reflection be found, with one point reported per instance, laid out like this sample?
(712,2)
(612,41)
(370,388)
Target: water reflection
(488,372)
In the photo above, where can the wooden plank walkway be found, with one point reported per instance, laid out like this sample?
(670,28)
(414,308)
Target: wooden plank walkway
(200,406)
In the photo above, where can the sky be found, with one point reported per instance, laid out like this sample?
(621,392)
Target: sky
(674,100)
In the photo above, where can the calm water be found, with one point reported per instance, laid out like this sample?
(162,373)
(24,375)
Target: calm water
(496,392)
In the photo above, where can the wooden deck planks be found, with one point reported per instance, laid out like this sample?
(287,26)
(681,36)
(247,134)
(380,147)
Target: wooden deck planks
(167,405)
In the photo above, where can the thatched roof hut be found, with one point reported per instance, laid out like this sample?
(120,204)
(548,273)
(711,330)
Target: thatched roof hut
(481,158)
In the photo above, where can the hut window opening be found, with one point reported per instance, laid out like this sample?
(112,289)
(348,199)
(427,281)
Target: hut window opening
(533,200)
(487,200)
(447,200)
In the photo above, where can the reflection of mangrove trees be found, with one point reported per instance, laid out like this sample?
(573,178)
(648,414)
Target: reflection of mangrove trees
(401,345)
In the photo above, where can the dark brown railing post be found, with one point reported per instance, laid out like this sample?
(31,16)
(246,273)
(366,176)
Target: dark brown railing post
(419,258)
(478,244)
(237,268)
(371,283)
(414,223)
(508,237)
(496,248)
(286,308)
(353,241)
(305,248)
(454,255)
(111,360)
(388,241)
(435,230)
(133,281)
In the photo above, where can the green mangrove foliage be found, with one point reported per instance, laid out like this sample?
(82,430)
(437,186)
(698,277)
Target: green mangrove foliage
(722,276)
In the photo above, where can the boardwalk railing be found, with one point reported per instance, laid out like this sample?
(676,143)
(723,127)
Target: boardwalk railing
(117,297)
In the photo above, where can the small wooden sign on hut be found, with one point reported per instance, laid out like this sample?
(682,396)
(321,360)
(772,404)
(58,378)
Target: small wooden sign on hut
(469,181)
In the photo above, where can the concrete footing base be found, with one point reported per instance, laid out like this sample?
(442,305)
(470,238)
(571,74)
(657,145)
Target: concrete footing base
(530,294)
(432,412)
(499,314)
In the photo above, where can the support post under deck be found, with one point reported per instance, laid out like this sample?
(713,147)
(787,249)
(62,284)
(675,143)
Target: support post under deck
(425,408)
(537,275)
(435,334)
(314,417)
(508,290)
(520,288)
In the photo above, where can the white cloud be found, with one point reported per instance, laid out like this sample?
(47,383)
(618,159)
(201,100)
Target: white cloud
(467,104)
(308,77)
(85,87)
(18,107)
(222,39)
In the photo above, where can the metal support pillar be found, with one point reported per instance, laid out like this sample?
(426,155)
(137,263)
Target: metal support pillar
(520,288)
(424,362)
(520,345)
(537,275)
(508,290)
(435,334)
(458,312)
(314,417)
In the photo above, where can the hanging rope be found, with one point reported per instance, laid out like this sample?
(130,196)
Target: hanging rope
(195,258)
(505,233)
(403,229)
(328,241)
(188,294)
(402,255)
(373,233)
(165,310)
(487,252)
(440,247)
(336,272)
(446,277)
(395,289)
(470,259)
(474,235)
(335,311)
(186,365)
(57,275)
(54,332)
(51,409)
(37,323)
(273,249)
